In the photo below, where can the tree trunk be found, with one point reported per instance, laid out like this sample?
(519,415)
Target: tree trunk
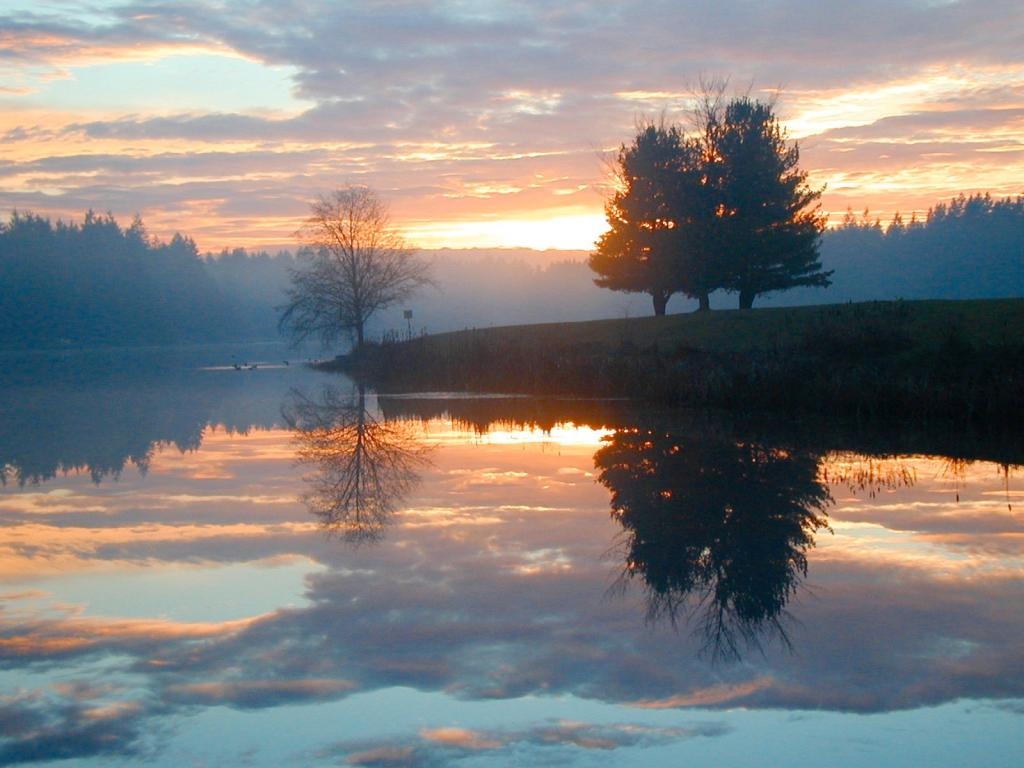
(660,299)
(746,298)
(359,335)
(705,303)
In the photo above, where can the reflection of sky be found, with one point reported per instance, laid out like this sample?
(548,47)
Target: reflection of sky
(197,613)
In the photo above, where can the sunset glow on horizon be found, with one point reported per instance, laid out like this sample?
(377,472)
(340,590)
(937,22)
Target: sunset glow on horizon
(481,127)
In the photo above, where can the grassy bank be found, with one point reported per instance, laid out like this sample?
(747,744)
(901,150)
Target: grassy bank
(948,360)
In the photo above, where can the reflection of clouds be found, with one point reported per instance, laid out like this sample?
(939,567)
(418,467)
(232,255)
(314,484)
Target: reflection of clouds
(257,694)
(442,746)
(926,516)
(174,513)
(712,696)
(952,555)
(949,522)
(37,550)
(447,517)
(490,477)
(31,594)
(459,737)
(49,504)
(39,728)
(544,561)
(493,595)
(37,639)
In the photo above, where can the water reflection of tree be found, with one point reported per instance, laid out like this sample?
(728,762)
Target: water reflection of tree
(874,474)
(364,466)
(718,529)
(862,473)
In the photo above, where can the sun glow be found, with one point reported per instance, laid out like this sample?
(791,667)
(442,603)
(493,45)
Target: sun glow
(564,435)
(576,231)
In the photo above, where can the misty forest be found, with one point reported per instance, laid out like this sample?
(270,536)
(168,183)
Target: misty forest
(97,282)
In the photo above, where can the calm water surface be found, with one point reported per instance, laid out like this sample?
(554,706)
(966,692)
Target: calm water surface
(208,566)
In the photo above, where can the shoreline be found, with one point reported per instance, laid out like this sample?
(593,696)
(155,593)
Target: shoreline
(952,361)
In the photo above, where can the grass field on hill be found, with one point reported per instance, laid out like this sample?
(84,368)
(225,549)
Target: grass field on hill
(923,359)
(927,323)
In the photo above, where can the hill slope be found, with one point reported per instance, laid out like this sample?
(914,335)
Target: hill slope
(960,360)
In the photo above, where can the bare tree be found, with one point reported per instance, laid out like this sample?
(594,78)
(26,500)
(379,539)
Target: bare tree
(357,264)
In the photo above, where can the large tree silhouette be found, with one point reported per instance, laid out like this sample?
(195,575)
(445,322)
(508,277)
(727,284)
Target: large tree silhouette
(716,528)
(768,222)
(652,244)
(726,208)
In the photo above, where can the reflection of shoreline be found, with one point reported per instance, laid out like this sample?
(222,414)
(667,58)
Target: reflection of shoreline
(100,411)
(363,466)
(828,437)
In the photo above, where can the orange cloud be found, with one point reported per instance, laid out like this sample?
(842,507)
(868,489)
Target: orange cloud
(45,639)
(708,697)
(461,738)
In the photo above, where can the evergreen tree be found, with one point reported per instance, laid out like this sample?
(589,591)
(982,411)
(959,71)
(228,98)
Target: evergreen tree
(728,208)
(767,216)
(639,252)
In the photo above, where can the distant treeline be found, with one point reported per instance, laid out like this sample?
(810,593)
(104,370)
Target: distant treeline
(970,248)
(95,282)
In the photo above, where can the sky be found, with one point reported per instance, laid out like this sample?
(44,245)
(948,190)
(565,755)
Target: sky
(482,124)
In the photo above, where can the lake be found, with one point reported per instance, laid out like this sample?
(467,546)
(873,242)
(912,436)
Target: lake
(219,556)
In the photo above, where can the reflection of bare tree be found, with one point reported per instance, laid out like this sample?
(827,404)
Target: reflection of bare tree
(364,466)
(717,528)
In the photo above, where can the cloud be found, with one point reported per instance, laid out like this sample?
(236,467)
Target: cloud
(436,102)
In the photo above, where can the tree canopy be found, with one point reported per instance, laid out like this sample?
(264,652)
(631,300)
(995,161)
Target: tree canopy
(726,208)
(651,218)
(768,218)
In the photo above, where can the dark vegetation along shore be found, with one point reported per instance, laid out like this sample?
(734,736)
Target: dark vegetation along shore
(948,361)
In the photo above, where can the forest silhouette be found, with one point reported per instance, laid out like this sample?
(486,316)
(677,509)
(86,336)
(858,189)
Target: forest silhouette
(97,283)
